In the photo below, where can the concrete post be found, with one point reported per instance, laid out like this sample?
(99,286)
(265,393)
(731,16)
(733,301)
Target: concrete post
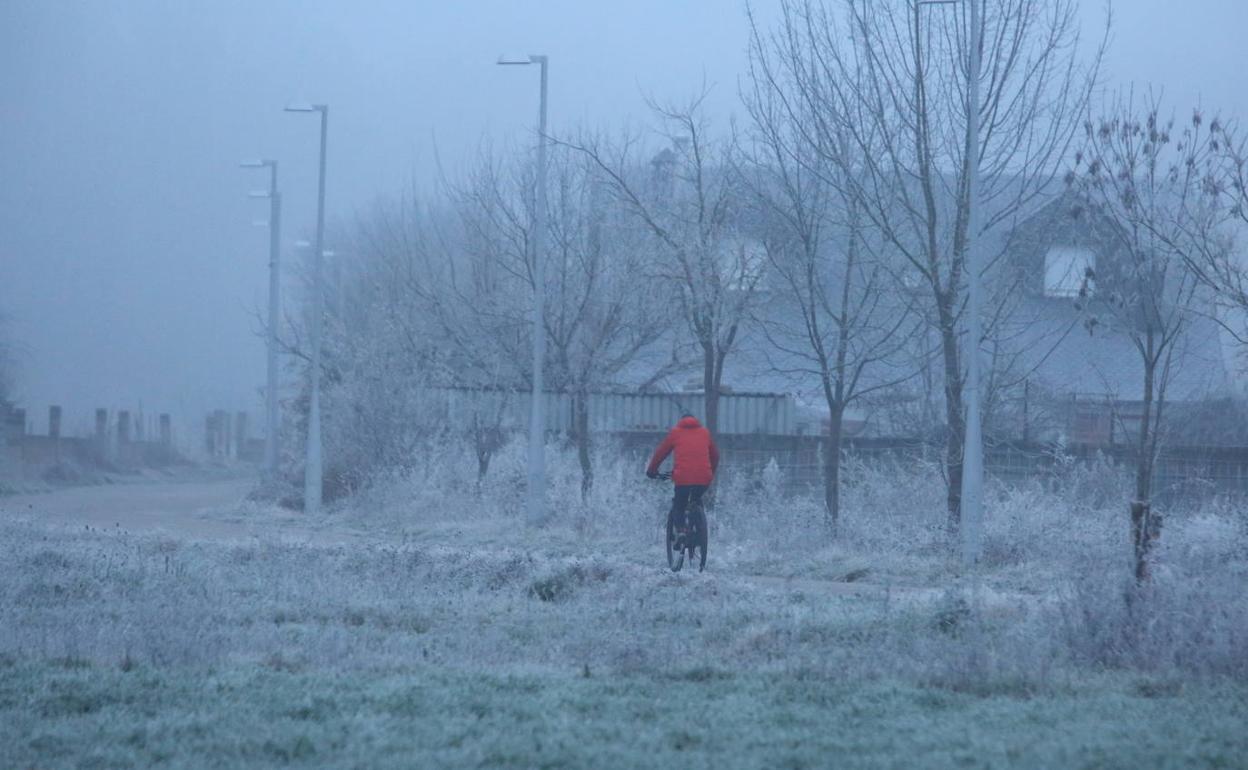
(123,426)
(54,421)
(100,439)
(227,433)
(240,434)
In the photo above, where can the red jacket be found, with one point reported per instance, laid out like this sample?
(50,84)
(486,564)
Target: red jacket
(697,457)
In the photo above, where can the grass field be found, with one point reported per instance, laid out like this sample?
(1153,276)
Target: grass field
(73,714)
(408,634)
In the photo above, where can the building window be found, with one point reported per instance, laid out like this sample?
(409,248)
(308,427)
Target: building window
(1066,269)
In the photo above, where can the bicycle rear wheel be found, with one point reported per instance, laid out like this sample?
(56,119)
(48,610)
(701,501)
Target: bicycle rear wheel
(699,536)
(675,554)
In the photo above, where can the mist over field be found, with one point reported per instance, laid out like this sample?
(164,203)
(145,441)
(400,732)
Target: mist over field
(799,383)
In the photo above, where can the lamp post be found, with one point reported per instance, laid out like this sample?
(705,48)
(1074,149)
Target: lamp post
(271,418)
(537,410)
(973,453)
(313,462)
(973,446)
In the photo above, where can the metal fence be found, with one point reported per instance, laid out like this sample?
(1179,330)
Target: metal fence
(739,414)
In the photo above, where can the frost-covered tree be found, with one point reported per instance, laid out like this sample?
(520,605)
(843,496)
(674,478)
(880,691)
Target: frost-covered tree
(688,200)
(831,312)
(890,79)
(605,310)
(1141,177)
(1210,221)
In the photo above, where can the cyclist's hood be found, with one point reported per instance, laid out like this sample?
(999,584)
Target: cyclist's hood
(689,422)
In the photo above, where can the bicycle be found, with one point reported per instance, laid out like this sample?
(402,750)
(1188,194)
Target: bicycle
(692,539)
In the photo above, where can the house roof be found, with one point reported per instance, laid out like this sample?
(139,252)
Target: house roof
(1067,356)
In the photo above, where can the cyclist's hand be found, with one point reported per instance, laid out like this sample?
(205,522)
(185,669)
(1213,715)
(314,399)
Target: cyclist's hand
(652,474)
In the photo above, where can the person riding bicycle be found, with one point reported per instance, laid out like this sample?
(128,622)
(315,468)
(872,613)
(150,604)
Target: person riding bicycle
(693,468)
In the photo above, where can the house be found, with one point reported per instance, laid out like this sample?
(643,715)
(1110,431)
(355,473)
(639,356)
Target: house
(1061,365)
(1071,336)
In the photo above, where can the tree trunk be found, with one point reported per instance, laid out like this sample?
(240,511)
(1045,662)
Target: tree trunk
(955,418)
(580,430)
(712,374)
(484,442)
(1145,525)
(710,389)
(832,470)
(483,466)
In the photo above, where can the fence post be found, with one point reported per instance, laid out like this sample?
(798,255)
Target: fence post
(227,433)
(101,434)
(240,434)
(54,430)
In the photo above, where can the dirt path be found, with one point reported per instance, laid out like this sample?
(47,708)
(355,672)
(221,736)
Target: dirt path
(173,507)
(212,510)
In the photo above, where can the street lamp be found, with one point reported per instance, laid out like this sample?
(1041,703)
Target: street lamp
(271,419)
(313,462)
(537,410)
(973,448)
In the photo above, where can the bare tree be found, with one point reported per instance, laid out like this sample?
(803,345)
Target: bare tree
(438,305)
(830,314)
(602,315)
(889,78)
(688,201)
(1135,171)
(1208,221)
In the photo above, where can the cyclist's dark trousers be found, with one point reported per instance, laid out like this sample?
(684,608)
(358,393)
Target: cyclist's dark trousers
(685,495)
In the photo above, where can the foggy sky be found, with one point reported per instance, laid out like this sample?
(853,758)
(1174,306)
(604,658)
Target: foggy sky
(128,262)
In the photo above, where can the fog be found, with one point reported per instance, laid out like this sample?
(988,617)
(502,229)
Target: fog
(131,269)
(835,382)
(129,266)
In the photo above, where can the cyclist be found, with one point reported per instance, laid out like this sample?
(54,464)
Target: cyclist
(693,468)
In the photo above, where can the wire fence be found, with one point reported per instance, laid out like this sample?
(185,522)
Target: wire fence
(1193,473)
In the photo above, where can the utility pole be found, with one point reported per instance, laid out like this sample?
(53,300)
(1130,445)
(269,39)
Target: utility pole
(537,412)
(314,461)
(973,452)
(272,418)
(971,517)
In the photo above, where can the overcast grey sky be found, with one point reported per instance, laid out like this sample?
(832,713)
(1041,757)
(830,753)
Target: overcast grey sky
(128,262)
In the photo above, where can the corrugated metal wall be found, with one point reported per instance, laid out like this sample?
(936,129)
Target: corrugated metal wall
(616,412)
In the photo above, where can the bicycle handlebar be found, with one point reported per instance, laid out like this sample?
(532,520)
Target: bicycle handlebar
(664,477)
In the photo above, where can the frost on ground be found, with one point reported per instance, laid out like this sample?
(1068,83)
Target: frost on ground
(423,625)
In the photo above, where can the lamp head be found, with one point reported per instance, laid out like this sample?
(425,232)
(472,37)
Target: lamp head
(532,58)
